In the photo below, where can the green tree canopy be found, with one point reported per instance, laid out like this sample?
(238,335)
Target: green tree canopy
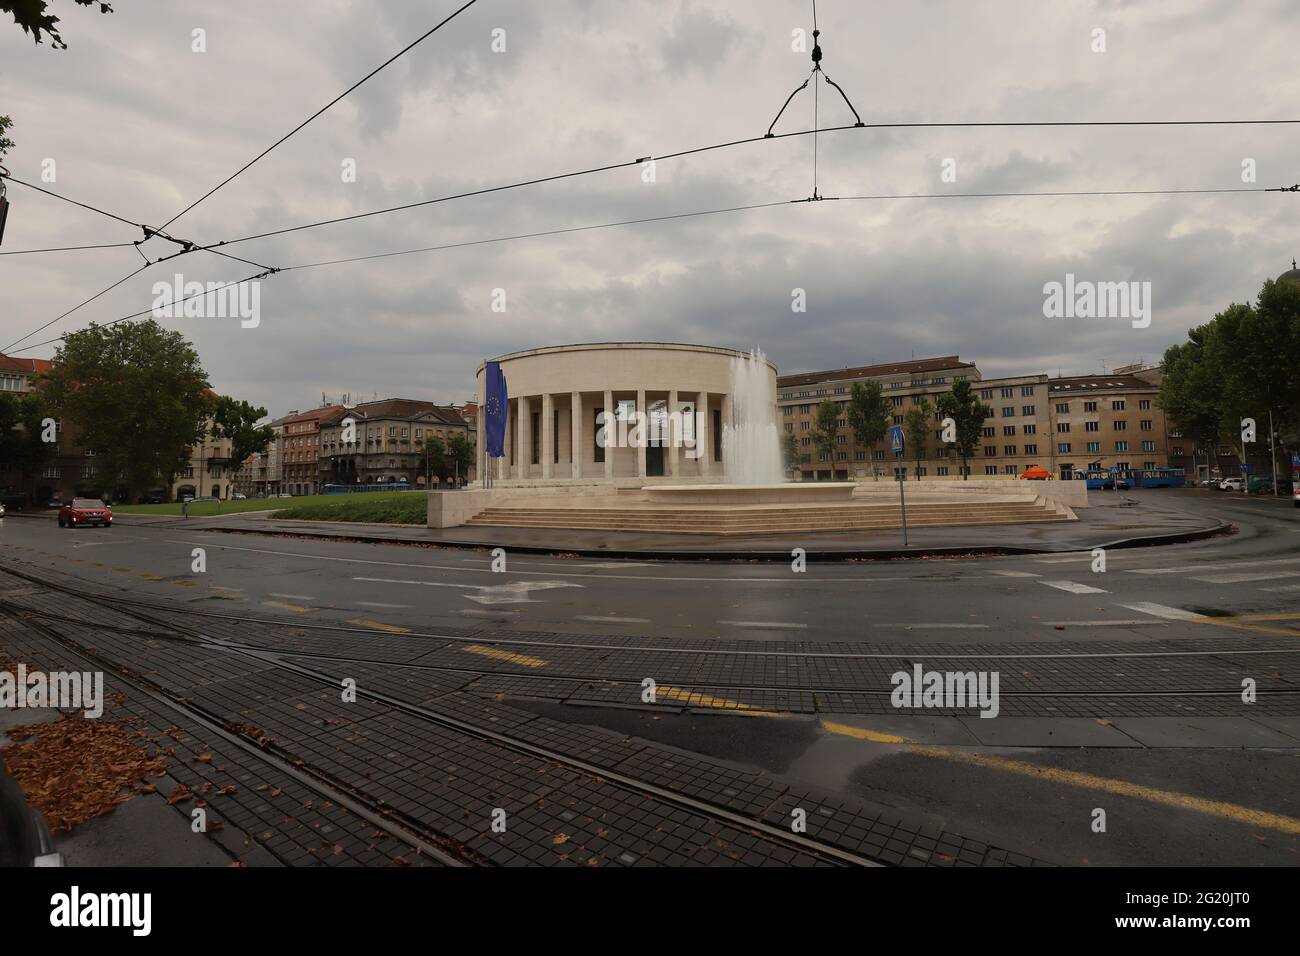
(461,453)
(825,429)
(968,412)
(868,413)
(137,395)
(31,16)
(918,422)
(237,421)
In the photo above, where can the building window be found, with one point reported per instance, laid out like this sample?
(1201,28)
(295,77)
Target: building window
(1031,449)
(1094,446)
(1008,450)
(986,393)
(990,451)
(1030,430)
(1148,446)
(1146,424)
(989,432)
(990,469)
(1063,448)
(1063,408)
(1027,391)
(1063,427)
(1121,446)
(1089,406)
(1027,410)
(1008,392)
(1008,429)
(1117,405)
(1144,404)
(1010,470)
(1121,425)
(1008,411)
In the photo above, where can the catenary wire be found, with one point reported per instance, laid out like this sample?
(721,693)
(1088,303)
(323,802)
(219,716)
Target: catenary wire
(313,116)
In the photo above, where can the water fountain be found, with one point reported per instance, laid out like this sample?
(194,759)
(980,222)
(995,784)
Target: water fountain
(751,443)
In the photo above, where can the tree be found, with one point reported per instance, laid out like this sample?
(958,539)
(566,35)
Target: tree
(825,430)
(969,413)
(790,451)
(461,453)
(1191,393)
(138,396)
(917,422)
(237,422)
(31,16)
(6,143)
(868,414)
(21,447)
(434,461)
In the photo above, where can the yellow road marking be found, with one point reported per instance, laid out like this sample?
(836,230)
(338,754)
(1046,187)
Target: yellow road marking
(122,570)
(296,608)
(500,655)
(185,584)
(1088,781)
(1263,617)
(859,733)
(379,626)
(152,577)
(697,699)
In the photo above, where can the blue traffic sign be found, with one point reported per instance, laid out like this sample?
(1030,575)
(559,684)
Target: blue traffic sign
(897,443)
(1114,469)
(1295,461)
(1246,469)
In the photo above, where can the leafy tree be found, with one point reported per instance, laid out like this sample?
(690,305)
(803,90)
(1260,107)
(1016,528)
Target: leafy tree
(138,396)
(237,421)
(964,407)
(869,413)
(917,423)
(461,452)
(434,461)
(31,16)
(826,427)
(1191,392)
(6,143)
(21,446)
(790,451)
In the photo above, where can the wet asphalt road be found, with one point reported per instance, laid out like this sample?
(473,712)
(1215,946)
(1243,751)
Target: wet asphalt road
(1174,788)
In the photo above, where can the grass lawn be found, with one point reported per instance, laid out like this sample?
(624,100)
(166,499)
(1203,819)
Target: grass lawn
(382,507)
(370,505)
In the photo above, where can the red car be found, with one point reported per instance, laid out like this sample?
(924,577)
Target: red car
(80,511)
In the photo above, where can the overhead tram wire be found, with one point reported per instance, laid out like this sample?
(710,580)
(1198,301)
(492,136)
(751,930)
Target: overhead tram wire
(95,209)
(102,245)
(610,167)
(144,312)
(569,230)
(687,215)
(412,45)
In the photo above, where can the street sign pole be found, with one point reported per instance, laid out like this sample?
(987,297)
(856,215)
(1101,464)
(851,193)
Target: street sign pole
(898,445)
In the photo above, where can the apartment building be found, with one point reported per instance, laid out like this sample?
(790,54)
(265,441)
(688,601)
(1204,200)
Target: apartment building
(1066,424)
(208,471)
(70,470)
(299,449)
(386,441)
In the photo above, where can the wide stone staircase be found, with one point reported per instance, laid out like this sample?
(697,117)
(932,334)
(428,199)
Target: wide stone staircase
(771,519)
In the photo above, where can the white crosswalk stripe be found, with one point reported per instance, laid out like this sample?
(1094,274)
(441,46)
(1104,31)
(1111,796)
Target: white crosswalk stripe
(1170,613)
(1244,576)
(1074,587)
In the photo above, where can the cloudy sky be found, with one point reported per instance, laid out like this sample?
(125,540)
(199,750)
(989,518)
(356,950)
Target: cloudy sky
(138,123)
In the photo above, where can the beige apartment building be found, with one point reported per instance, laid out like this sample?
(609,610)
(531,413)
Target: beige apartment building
(1065,425)
(387,441)
(208,472)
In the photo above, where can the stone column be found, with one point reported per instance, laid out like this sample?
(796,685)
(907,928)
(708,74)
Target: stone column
(548,434)
(523,444)
(575,443)
(703,428)
(726,421)
(610,425)
(645,432)
(674,468)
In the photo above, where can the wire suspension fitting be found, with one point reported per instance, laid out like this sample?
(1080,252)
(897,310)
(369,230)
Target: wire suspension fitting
(817,68)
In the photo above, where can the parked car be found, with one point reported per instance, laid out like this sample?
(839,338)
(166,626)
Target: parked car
(53,503)
(1122,484)
(1231,484)
(82,511)
(154,498)
(2,509)
(239,496)
(1295,493)
(1210,482)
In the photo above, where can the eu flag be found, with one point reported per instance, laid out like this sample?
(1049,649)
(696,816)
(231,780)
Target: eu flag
(497,409)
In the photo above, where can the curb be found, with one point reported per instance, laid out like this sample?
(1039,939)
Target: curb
(861,554)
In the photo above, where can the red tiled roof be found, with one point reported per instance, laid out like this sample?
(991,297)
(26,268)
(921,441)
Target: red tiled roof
(941,364)
(30,366)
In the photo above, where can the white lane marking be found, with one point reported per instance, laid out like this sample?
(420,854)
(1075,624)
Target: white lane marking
(514,593)
(1102,623)
(391,607)
(1017,574)
(1073,587)
(611,620)
(614,564)
(1285,589)
(1066,559)
(1160,610)
(218,587)
(1233,578)
(934,627)
(1193,568)
(658,579)
(293,597)
(766,625)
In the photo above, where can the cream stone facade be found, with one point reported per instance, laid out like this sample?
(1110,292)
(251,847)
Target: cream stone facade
(557,393)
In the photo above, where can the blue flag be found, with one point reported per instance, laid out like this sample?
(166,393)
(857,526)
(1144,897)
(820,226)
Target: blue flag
(497,409)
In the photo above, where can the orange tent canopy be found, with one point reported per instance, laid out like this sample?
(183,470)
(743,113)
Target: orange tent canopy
(1036,473)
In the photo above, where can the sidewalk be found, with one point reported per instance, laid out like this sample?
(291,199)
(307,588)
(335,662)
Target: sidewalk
(1114,521)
